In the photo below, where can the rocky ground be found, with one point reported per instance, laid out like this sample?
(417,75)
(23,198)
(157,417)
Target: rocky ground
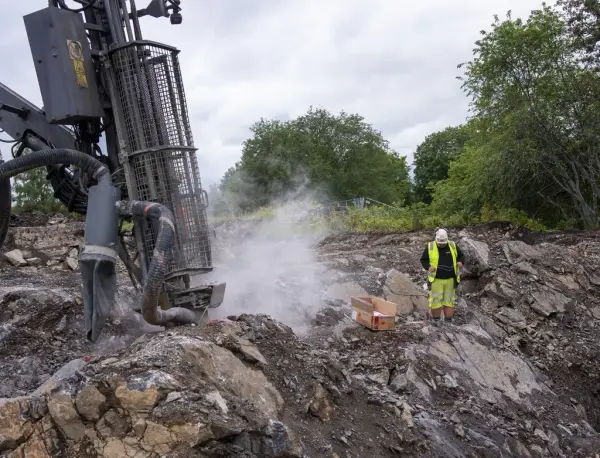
(515,376)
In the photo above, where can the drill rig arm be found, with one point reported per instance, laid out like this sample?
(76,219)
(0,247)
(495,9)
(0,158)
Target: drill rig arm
(19,118)
(27,125)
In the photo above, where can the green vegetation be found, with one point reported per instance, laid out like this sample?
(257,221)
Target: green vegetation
(32,192)
(319,153)
(529,153)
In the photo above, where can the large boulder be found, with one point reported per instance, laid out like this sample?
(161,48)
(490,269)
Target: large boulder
(400,289)
(477,255)
(167,393)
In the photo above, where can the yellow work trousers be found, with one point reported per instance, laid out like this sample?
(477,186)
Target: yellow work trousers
(442,293)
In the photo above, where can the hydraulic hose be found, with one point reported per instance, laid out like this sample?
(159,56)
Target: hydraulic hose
(5,207)
(39,159)
(158,264)
(47,157)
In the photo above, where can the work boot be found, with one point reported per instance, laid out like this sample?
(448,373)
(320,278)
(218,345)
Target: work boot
(437,322)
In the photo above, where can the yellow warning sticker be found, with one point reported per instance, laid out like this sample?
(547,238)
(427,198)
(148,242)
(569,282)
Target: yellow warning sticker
(78,65)
(80,73)
(82,80)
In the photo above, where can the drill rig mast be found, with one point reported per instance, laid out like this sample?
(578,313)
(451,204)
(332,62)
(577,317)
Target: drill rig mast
(98,78)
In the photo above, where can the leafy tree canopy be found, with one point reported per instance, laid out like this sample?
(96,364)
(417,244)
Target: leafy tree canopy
(335,156)
(537,115)
(432,159)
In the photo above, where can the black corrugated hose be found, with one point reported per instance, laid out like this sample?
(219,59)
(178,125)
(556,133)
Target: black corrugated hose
(46,157)
(158,265)
(39,159)
(5,207)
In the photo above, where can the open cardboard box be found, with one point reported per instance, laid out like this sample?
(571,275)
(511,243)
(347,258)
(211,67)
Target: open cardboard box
(374,313)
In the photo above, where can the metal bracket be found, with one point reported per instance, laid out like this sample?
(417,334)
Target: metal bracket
(20,112)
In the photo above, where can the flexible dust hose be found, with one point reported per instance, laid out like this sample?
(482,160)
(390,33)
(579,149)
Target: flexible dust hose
(40,159)
(158,264)
(46,157)
(5,207)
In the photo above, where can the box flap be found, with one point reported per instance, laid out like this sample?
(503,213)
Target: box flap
(364,304)
(385,307)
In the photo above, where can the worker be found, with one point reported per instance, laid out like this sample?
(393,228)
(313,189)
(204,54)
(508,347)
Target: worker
(443,260)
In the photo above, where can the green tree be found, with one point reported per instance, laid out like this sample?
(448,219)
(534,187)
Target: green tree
(432,159)
(337,156)
(538,116)
(32,192)
(583,22)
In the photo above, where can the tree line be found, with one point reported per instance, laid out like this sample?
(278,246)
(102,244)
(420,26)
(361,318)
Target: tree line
(530,142)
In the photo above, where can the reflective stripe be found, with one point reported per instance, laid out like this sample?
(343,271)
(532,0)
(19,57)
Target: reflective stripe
(101,250)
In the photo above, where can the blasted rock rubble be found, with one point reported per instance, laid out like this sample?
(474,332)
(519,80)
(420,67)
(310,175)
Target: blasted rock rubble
(517,376)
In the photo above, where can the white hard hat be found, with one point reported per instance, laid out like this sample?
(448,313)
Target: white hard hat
(441,236)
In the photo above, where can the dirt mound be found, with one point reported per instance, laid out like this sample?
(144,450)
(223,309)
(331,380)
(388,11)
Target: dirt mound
(511,377)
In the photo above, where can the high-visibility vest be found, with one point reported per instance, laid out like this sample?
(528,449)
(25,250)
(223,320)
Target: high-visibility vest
(434,257)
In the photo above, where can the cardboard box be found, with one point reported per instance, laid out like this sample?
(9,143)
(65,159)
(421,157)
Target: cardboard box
(374,313)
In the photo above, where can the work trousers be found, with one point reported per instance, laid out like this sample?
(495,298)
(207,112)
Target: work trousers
(442,293)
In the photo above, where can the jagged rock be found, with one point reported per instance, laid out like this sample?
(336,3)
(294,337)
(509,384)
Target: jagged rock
(65,416)
(60,377)
(17,417)
(15,257)
(320,404)
(404,293)
(490,369)
(517,251)
(344,291)
(113,423)
(215,398)
(511,317)
(399,383)
(90,403)
(477,256)
(524,267)
(72,263)
(407,415)
(222,368)
(51,241)
(244,347)
(478,387)
(141,398)
(547,301)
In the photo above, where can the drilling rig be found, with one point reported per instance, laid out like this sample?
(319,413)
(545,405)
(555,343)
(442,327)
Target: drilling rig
(99,79)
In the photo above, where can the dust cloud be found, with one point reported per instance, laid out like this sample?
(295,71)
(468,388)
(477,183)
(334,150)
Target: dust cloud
(270,266)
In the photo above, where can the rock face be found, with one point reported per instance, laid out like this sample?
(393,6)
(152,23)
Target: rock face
(400,289)
(168,392)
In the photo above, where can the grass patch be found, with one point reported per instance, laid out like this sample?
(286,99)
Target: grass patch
(420,217)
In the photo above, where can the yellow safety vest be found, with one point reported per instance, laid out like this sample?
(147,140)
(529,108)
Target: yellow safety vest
(434,257)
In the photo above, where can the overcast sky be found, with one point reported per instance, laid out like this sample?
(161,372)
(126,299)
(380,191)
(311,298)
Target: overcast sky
(392,61)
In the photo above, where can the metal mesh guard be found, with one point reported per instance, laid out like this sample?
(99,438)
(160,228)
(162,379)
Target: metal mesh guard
(168,177)
(159,147)
(153,104)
